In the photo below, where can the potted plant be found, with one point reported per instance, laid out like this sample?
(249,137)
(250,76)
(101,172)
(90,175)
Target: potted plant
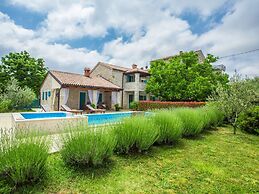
(117,107)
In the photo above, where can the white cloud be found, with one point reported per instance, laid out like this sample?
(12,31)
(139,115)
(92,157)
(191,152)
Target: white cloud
(175,6)
(42,6)
(78,18)
(154,27)
(237,33)
(76,21)
(57,56)
(161,39)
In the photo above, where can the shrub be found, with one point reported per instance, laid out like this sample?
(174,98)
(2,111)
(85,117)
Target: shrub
(235,99)
(134,105)
(5,105)
(170,125)
(23,159)
(87,147)
(212,116)
(135,133)
(249,121)
(19,97)
(150,105)
(193,120)
(117,107)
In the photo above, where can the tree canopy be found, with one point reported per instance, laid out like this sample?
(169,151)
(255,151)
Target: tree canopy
(27,70)
(184,78)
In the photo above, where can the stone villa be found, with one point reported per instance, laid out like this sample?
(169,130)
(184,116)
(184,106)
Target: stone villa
(105,84)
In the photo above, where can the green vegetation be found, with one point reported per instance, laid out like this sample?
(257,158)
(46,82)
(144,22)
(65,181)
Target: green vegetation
(235,99)
(193,164)
(117,107)
(193,120)
(28,71)
(134,105)
(135,134)
(212,116)
(87,147)
(254,83)
(249,121)
(184,78)
(15,97)
(214,162)
(22,160)
(169,124)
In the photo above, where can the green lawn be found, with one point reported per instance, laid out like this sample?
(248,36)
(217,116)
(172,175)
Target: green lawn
(215,162)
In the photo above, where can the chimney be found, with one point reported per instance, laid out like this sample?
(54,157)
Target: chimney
(181,52)
(87,72)
(134,66)
(142,68)
(146,67)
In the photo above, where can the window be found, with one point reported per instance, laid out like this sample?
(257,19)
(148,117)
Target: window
(153,98)
(46,95)
(130,78)
(49,93)
(142,97)
(42,97)
(100,99)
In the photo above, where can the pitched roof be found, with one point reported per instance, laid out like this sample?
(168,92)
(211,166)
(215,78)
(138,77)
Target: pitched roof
(199,52)
(73,79)
(119,68)
(137,70)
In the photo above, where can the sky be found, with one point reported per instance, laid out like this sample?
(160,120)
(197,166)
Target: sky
(72,34)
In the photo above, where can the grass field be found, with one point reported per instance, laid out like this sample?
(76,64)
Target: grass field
(215,162)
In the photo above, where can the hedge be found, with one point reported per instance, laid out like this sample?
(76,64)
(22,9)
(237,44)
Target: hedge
(149,105)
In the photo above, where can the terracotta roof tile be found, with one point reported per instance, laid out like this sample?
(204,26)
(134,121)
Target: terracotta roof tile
(73,79)
(137,70)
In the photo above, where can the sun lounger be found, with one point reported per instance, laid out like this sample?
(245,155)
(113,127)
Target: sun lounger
(66,108)
(102,106)
(90,109)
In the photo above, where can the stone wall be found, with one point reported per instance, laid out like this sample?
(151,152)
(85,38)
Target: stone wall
(49,84)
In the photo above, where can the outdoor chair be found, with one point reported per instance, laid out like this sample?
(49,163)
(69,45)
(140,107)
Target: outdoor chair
(68,109)
(90,109)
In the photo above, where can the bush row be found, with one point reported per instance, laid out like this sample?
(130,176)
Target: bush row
(136,134)
(23,160)
(150,105)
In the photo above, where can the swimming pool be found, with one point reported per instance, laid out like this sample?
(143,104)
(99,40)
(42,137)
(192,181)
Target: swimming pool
(56,121)
(42,115)
(93,119)
(96,119)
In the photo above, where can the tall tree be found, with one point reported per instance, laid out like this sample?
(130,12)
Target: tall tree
(27,70)
(184,78)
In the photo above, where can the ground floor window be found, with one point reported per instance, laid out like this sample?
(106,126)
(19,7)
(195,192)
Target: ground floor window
(142,97)
(100,98)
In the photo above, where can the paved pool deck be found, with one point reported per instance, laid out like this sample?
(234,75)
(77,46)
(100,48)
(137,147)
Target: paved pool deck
(6,120)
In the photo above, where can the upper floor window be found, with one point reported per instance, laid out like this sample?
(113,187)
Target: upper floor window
(130,78)
(143,80)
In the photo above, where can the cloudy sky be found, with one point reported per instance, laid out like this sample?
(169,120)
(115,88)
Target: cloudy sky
(72,34)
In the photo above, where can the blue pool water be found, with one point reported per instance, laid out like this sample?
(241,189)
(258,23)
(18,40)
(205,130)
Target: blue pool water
(95,119)
(43,115)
